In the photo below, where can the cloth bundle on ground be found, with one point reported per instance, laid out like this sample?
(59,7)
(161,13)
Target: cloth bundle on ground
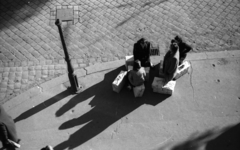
(182,69)
(119,81)
(160,86)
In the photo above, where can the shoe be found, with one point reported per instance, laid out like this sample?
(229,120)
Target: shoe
(16,145)
(48,147)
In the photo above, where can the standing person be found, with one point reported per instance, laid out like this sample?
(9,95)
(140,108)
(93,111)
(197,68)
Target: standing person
(183,49)
(136,76)
(171,61)
(8,133)
(141,51)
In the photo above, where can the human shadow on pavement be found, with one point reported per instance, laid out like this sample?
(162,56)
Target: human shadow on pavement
(214,139)
(107,108)
(42,106)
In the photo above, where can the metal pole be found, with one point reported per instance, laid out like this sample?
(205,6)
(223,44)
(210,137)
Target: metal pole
(72,77)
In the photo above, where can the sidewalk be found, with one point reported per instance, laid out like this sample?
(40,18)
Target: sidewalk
(98,118)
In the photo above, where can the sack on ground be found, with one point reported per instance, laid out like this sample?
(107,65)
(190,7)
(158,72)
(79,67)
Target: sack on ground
(182,69)
(159,86)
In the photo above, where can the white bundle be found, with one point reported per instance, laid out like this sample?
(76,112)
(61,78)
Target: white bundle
(159,86)
(119,81)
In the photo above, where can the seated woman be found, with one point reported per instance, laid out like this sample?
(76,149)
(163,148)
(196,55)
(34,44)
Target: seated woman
(183,49)
(170,62)
(137,76)
(141,51)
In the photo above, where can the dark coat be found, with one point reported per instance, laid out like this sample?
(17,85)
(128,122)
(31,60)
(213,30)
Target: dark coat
(9,123)
(141,52)
(183,50)
(170,64)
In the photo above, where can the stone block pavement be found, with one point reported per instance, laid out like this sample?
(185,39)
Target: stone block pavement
(31,52)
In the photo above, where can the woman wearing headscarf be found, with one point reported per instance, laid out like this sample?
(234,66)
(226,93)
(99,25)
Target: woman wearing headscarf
(183,49)
(8,133)
(171,61)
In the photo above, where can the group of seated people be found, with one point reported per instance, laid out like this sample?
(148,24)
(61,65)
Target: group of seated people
(174,57)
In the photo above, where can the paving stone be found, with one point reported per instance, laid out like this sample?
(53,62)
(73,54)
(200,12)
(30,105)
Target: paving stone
(31,78)
(38,67)
(2,95)
(25,75)
(51,72)
(11,86)
(3,84)
(45,72)
(18,74)
(32,73)
(19,69)
(16,90)
(51,67)
(38,73)
(5,74)
(1,69)
(3,89)
(24,86)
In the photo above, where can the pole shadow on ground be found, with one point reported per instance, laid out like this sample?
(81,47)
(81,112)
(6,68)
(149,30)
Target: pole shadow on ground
(107,108)
(42,106)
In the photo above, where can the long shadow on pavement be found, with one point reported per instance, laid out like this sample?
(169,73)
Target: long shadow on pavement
(107,108)
(42,106)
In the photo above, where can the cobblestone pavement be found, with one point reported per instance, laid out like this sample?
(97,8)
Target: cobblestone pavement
(103,30)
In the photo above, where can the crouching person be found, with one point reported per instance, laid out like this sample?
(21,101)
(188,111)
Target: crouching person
(170,62)
(137,76)
(8,133)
